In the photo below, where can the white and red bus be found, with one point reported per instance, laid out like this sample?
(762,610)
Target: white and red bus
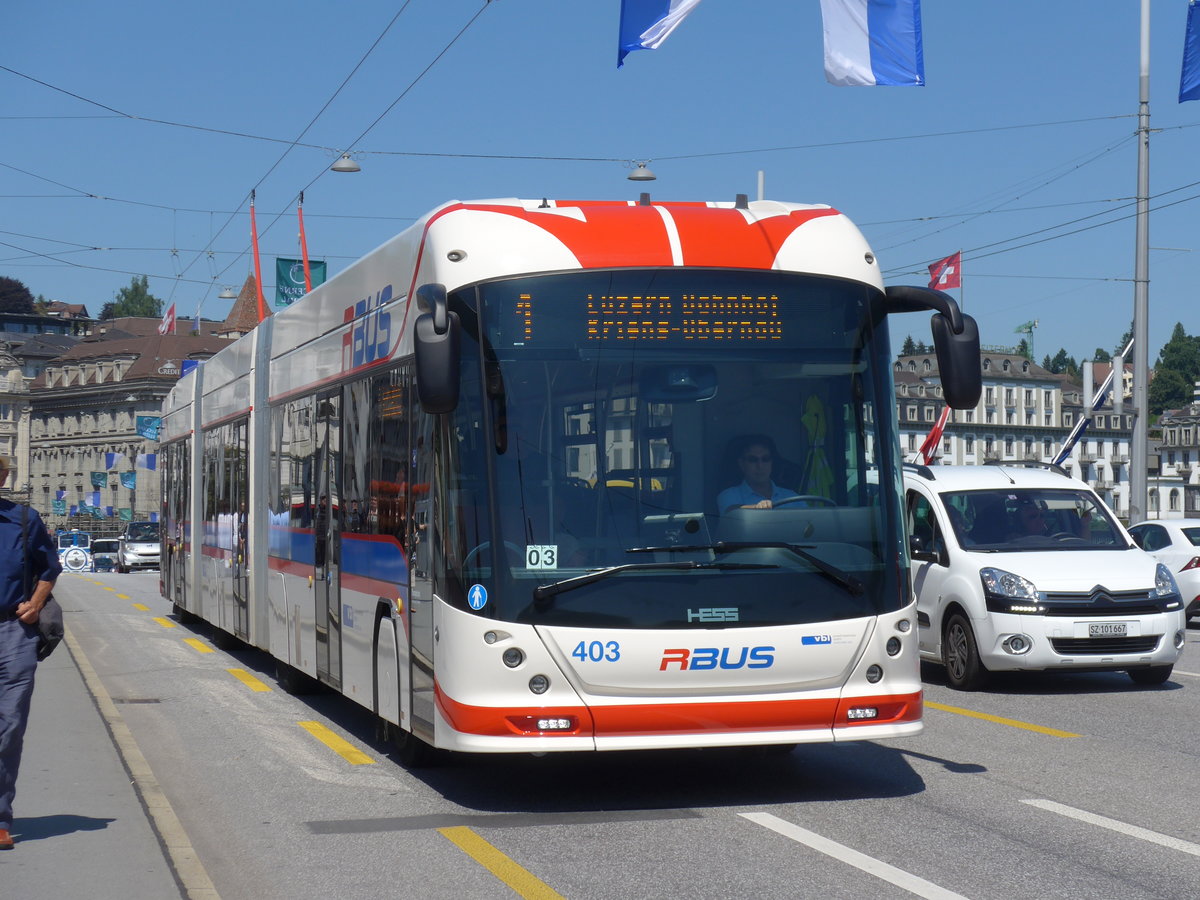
(471,482)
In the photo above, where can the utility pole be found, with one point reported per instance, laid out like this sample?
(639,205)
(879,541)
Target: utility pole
(1141,288)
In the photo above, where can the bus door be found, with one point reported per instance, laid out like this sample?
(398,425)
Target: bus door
(239,504)
(327,544)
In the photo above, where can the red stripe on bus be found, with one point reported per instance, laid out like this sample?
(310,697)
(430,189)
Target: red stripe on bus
(723,237)
(683,718)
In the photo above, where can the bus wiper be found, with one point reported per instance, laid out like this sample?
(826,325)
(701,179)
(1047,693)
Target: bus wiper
(545,592)
(833,573)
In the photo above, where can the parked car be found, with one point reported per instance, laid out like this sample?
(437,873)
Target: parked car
(139,547)
(1022,568)
(1176,544)
(104,553)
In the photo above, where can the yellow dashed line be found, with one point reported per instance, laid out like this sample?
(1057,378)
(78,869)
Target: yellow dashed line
(249,680)
(1015,723)
(142,606)
(122,596)
(198,646)
(520,879)
(344,749)
(165,622)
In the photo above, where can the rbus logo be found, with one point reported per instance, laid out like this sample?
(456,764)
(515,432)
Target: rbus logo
(719,658)
(370,337)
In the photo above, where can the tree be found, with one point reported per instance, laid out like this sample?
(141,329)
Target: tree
(910,346)
(106,311)
(1181,353)
(136,300)
(1102,355)
(1168,390)
(1023,348)
(15,297)
(1061,364)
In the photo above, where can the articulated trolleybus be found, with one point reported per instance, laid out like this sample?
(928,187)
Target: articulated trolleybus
(472,482)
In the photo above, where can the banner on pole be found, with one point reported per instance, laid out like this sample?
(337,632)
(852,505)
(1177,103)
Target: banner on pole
(289,279)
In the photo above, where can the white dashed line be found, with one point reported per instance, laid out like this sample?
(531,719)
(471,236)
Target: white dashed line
(1144,834)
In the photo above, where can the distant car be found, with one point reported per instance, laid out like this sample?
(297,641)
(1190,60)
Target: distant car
(1176,544)
(104,553)
(139,547)
(1019,568)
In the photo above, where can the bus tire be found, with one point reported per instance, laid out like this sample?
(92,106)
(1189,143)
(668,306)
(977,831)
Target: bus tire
(412,752)
(292,680)
(960,655)
(181,614)
(223,640)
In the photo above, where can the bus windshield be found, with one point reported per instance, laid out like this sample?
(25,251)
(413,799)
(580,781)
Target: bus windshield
(625,437)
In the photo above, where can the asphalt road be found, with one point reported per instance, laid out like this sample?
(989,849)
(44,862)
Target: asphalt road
(1069,786)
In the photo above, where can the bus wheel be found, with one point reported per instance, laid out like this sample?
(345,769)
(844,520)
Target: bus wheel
(412,752)
(184,617)
(223,640)
(292,680)
(1150,674)
(964,670)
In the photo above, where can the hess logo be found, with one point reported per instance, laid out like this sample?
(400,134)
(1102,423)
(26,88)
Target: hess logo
(718,658)
(369,338)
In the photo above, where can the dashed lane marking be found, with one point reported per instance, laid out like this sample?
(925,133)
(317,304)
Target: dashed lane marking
(914,884)
(1000,720)
(142,607)
(198,645)
(517,877)
(1136,831)
(249,680)
(341,747)
(165,622)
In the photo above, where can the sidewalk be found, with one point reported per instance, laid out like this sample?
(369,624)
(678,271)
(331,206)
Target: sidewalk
(81,829)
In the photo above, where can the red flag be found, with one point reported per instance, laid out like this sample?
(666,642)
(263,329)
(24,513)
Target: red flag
(167,325)
(946,273)
(929,448)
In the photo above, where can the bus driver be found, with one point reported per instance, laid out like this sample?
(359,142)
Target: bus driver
(755,453)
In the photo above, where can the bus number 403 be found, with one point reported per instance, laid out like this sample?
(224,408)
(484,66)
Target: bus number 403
(597,651)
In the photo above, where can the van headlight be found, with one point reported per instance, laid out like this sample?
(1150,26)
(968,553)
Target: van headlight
(1006,592)
(1164,582)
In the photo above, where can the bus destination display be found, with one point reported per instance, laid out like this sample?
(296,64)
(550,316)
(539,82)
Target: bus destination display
(685,317)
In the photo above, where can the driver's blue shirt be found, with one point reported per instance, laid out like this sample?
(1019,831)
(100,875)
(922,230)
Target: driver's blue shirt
(744,495)
(41,556)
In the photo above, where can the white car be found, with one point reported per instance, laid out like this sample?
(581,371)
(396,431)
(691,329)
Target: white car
(139,547)
(1176,544)
(1025,568)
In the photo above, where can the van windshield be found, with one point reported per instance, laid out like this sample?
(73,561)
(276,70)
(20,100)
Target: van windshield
(142,531)
(1031,519)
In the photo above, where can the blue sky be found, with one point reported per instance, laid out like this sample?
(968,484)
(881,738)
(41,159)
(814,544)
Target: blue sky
(1026,124)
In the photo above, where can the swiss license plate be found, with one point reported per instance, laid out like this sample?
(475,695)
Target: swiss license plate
(1107,629)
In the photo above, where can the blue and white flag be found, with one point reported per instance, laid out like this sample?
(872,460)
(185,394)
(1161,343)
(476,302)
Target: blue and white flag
(111,459)
(870,42)
(1189,78)
(645,24)
(147,461)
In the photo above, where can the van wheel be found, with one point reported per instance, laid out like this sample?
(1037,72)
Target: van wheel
(1150,674)
(960,655)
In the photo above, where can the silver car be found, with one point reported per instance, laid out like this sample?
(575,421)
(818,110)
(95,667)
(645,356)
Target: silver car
(139,547)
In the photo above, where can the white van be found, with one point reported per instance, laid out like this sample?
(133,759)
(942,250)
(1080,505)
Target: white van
(1025,568)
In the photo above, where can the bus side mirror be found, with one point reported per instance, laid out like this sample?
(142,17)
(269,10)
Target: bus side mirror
(955,337)
(958,361)
(437,337)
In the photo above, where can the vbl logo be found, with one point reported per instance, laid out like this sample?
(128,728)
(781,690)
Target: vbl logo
(722,658)
(370,337)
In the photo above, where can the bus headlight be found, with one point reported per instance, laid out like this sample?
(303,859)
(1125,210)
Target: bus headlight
(513,657)
(539,684)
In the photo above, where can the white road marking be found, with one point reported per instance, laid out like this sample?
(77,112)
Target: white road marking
(1144,834)
(906,880)
(1181,672)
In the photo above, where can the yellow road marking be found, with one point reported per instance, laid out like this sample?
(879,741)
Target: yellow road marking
(164,622)
(122,596)
(344,749)
(198,646)
(142,606)
(1000,720)
(249,680)
(108,589)
(520,879)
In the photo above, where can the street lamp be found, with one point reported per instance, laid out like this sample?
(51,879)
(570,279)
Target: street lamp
(345,164)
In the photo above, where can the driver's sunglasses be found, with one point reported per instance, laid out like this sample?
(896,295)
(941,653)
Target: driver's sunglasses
(756,459)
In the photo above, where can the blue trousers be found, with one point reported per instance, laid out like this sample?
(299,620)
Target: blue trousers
(18,660)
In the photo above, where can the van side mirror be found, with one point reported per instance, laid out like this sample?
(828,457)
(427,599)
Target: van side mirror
(437,339)
(917,550)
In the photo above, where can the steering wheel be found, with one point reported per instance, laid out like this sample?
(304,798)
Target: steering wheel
(810,499)
(516,556)
(1066,536)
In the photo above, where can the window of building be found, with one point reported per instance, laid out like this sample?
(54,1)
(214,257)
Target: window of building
(989,396)
(969,443)
(1006,365)
(1008,446)
(928,413)
(1029,397)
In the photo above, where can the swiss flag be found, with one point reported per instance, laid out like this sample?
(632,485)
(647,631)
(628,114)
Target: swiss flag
(946,273)
(929,448)
(167,325)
